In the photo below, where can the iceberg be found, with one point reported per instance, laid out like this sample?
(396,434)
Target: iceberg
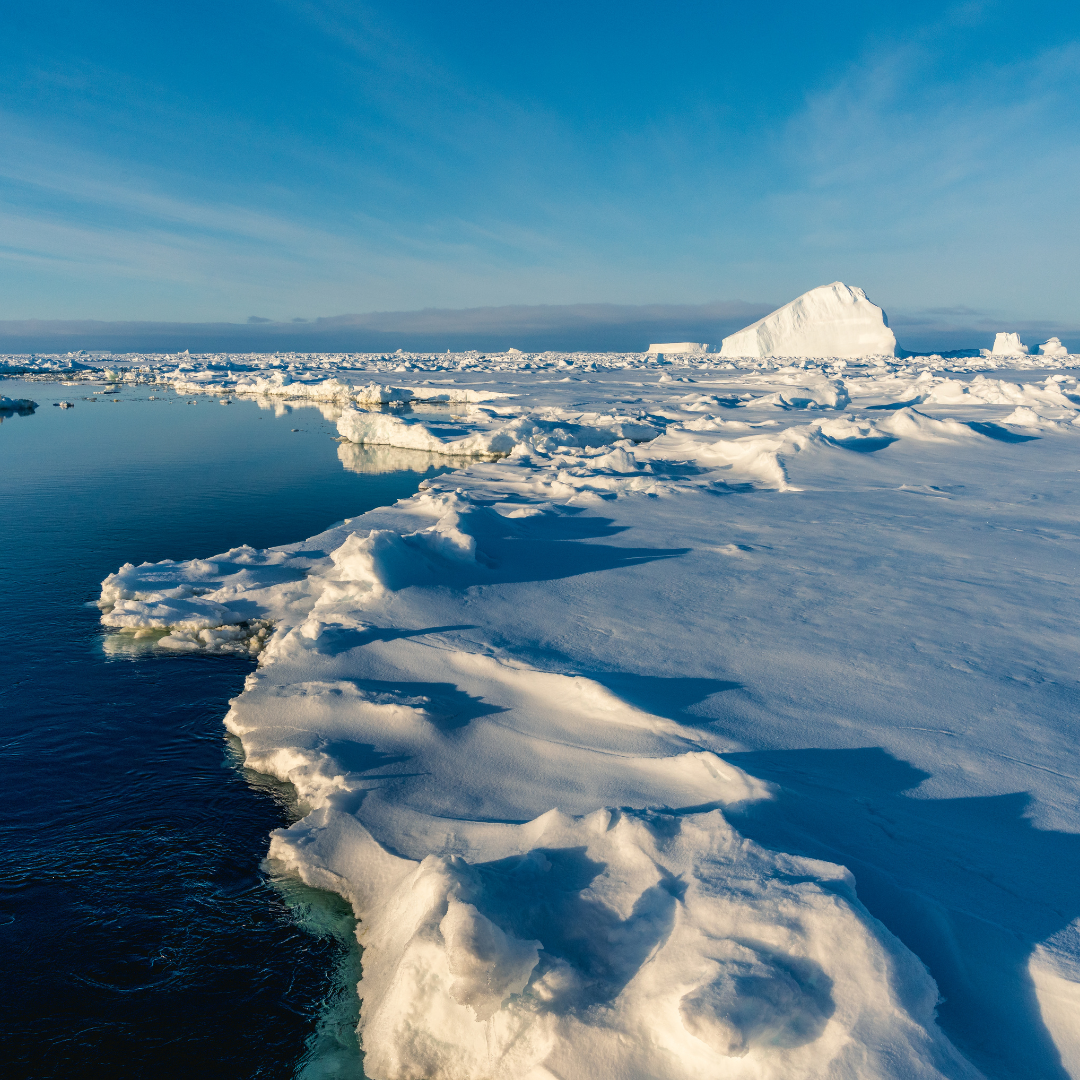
(831,320)
(680,348)
(1008,345)
(1053,347)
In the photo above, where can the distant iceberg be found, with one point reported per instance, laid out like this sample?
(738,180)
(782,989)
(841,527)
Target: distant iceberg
(1009,345)
(1053,347)
(680,348)
(831,320)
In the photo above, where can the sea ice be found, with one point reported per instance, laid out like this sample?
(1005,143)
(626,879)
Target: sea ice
(676,730)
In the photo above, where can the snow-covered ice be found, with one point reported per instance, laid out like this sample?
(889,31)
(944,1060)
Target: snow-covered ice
(715,717)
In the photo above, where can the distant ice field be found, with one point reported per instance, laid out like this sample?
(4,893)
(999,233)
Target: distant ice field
(714,716)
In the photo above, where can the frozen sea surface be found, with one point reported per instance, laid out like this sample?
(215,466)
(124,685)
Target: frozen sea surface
(139,936)
(714,717)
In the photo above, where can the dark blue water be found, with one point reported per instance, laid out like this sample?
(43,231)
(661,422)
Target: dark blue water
(139,935)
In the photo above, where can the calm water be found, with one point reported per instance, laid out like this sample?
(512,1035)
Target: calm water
(139,934)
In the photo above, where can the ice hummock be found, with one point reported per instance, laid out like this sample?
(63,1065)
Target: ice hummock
(831,320)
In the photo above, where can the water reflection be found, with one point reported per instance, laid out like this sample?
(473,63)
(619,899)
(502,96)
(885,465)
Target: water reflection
(330,410)
(381,459)
(332,1049)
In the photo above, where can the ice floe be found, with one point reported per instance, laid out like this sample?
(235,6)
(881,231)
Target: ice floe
(587,730)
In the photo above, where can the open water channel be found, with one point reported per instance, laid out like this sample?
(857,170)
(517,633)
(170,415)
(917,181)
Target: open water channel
(141,934)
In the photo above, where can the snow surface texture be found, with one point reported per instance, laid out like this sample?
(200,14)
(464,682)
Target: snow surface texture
(831,320)
(681,726)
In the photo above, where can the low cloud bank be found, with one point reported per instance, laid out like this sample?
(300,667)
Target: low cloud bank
(957,328)
(572,327)
(532,328)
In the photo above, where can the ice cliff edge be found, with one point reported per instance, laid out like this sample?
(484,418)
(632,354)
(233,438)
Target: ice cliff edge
(831,320)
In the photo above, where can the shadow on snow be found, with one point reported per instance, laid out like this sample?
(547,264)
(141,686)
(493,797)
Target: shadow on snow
(969,885)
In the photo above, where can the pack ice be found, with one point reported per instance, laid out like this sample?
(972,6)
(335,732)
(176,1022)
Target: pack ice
(711,718)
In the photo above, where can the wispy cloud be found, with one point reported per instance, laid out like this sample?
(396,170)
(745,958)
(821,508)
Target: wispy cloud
(926,185)
(390,175)
(64,212)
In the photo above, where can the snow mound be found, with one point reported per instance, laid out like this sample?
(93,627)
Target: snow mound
(1008,345)
(831,320)
(619,943)
(817,393)
(984,391)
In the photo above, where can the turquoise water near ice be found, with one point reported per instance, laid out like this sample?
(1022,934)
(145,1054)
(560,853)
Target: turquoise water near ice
(140,933)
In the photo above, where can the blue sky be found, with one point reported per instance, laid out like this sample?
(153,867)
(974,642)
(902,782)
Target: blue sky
(203,161)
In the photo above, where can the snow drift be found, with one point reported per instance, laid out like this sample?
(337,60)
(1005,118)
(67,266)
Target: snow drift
(831,320)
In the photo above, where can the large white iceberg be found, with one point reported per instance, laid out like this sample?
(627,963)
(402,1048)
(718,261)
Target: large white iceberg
(1053,347)
(1008,345)
(831,320)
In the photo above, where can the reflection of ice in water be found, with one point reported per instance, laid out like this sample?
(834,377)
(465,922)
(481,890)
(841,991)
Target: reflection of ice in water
(333,1048)
(383,459)
(132,644)
(332,1051)
(330,411)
